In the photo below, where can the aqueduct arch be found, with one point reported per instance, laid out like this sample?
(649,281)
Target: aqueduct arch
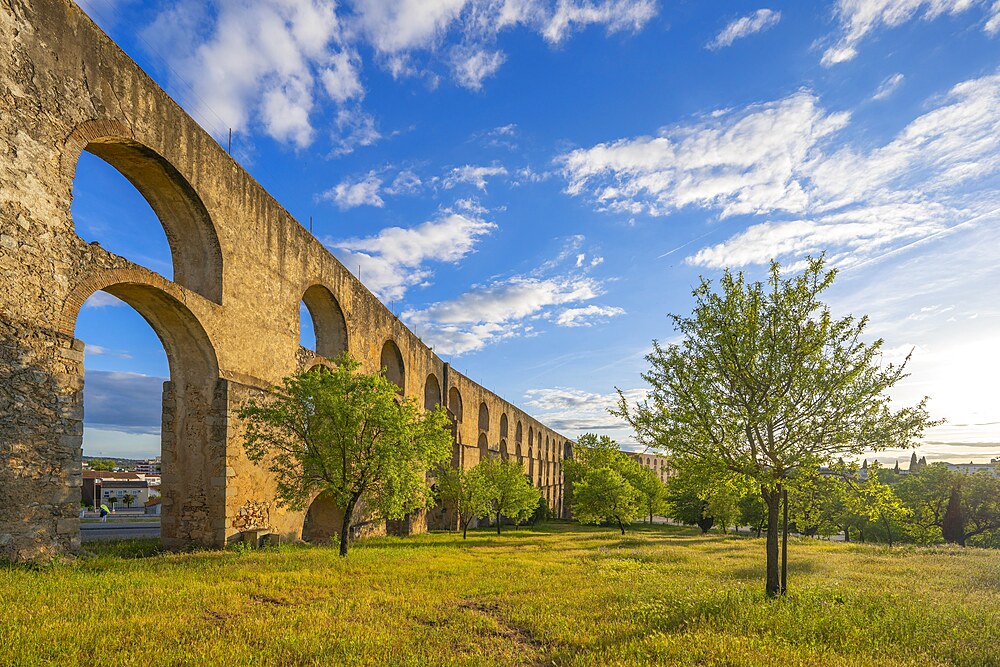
(226,318)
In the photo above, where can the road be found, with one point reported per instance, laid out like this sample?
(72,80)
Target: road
(118,530)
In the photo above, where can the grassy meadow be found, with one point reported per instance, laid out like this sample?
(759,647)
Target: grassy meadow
(560,594)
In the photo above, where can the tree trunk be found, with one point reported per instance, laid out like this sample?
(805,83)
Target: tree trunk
(498,522)
(847,533)
(784,542)
(621,525)
(772,498)
(465,528)
(345,527)
(953,525)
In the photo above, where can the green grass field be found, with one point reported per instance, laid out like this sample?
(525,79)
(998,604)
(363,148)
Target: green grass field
(561,594)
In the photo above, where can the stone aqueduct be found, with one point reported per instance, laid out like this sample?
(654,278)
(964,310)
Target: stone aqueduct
(229,319)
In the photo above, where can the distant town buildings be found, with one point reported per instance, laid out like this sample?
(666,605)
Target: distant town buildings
(100,486)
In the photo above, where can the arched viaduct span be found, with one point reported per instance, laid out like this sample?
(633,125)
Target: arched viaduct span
(229,320)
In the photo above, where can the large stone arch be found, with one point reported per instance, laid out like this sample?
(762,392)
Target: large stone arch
(391,360)
(192,235)
(328,321)
(192,438)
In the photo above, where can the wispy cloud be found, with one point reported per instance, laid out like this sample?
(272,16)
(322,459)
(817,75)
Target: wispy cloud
(512,306)
(573,411)
(858,18)
(353,193)
(126,402)
(780,160)
(888,86)
(760,20)
(472,175)
(396,259)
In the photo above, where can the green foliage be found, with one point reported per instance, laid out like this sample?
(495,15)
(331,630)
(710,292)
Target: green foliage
(603,495)
(765,381)
(348,435)
(510,493)
(468,492)
(594,453)
(875,501)
(128,499)
(102,464)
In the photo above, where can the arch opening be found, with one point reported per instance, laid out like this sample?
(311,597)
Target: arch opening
(503,425)
(484,418)
(391,362)
(323,520)
(195,258)
(484,447)
(432,392)
(189,402)
(322,325)
(455,403)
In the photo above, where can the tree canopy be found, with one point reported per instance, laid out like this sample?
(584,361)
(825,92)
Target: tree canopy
(510,493)
(765,380)
(347,435)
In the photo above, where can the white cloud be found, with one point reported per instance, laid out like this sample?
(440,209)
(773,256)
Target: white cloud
(574,411)
(406,182)
(778,160)
(355,127)
(393,26)
(615,15)
(739,162)
(992,25)
(760,20)
(860,17)
(471,67)
(362,192)
(395,258)
(103,300)
(472,175)
(256,64)
(587,316)
(510,307)
(888,86)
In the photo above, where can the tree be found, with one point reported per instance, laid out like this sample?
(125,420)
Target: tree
(652,491)
(103,464)
(603,495)
(350,436)
(111,501)
(765,380)
(128,499)
(468,491)
(510,493)
(876,501)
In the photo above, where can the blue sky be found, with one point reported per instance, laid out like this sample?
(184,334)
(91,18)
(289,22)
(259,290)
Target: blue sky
(534,185)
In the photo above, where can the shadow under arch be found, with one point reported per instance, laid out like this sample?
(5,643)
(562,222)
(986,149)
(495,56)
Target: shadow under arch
(192,435)
(432,392)
(329,322)
(194,241)
(391,361)
(323,520)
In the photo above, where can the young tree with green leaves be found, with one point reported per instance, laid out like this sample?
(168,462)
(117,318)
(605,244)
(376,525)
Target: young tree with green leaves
(875,500)
(468,492)
(510,493)
(128,499)
(603,495)
(764,381)
(102,464)
(350,436)
(652,491)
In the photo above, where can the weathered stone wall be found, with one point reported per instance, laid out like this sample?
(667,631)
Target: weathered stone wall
(229,320)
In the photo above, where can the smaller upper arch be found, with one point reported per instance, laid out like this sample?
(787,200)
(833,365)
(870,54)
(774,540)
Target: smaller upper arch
(328,321)
(518,433)
(391,361)
(432,392)
(191,233)
(503,425)
(455,403)
(484,418)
